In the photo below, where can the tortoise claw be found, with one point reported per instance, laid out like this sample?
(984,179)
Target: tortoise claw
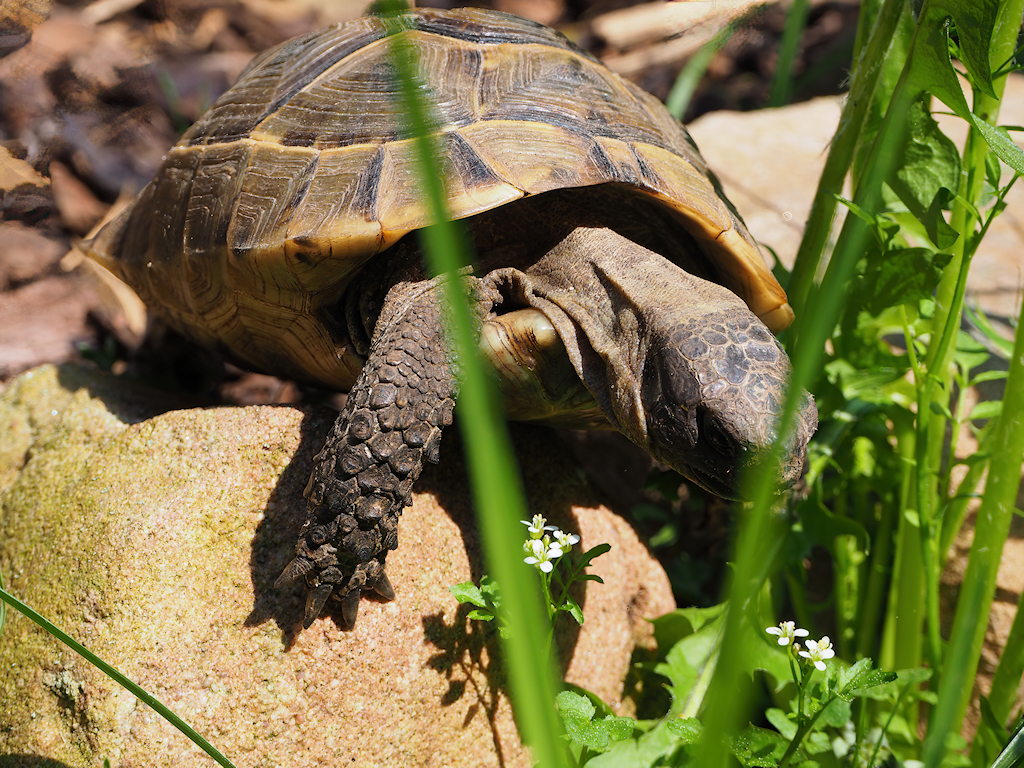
(383,587)
(297,568)
(315,602)
(350,607)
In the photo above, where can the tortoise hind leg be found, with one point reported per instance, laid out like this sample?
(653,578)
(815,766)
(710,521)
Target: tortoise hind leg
(363,476)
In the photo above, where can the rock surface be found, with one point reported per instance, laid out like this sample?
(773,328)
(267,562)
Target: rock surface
(155,540)
(770,160)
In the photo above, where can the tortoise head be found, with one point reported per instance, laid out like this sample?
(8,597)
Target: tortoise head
(677,363)
(713,390)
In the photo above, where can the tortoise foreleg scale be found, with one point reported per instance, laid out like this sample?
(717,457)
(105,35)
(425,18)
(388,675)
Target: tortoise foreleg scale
(363,477)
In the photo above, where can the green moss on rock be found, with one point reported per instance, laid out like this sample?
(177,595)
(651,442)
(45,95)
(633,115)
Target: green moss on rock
(155,540)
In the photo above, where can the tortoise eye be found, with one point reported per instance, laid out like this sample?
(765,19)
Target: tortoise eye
(720,440)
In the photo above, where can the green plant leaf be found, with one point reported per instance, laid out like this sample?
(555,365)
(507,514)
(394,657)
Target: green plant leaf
(932,70)
(648,750)
(939,231)
(835,714)
(889,690)
(899,276)
(468,592)
(688,729)
(782,722)
(587,557)
(993,171)
(576,705)
(687,660)
(816,743)
(988,376)
(931,163)
(759,748)
(871,678)
(970,353)
(574,608)
(872,385)
(988,409)
(620,728)
(980,320)
(672,627)
(822,527)
(577,712)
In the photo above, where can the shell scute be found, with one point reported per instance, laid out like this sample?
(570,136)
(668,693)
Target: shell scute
(334,229)
(481,27)
(219,175)
(276,76)
(473,185)
(276,181)
(155,231)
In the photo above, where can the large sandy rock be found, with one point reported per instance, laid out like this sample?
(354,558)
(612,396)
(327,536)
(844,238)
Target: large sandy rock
(770,160)
(155,540)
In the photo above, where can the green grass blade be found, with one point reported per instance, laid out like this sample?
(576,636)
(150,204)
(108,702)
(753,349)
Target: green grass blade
(690,75)
(841,153)
(497,491)
(1008,674)
(990,532)
(117,676)
(796,21)
(760,532)
(1012,755)
(3,606)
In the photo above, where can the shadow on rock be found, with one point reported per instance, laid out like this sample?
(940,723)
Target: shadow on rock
(130,401)
(273,545)
(552,483)
(469,657)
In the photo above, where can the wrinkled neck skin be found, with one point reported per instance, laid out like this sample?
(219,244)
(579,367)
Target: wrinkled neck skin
(676,363)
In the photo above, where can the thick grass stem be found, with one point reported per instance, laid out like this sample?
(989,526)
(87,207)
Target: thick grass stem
(497,491)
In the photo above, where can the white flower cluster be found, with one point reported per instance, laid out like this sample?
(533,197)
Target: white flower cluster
(546,543)
(818,651)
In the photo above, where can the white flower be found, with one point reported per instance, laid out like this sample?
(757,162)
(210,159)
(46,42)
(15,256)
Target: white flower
(538,526)
(539,555)
(819,652)
(787,631)
(564,541)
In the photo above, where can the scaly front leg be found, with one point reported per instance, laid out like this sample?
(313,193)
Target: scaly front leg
(364,475)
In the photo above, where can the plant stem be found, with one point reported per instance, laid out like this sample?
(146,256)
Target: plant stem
(901,636)
(118,677)
(976,591)
(801,732)
(1007,677)
(841,152)
(878,573)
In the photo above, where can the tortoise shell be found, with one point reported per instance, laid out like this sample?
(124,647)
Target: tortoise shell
(271,203)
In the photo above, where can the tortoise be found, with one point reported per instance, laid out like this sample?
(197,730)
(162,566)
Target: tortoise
(614,284)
